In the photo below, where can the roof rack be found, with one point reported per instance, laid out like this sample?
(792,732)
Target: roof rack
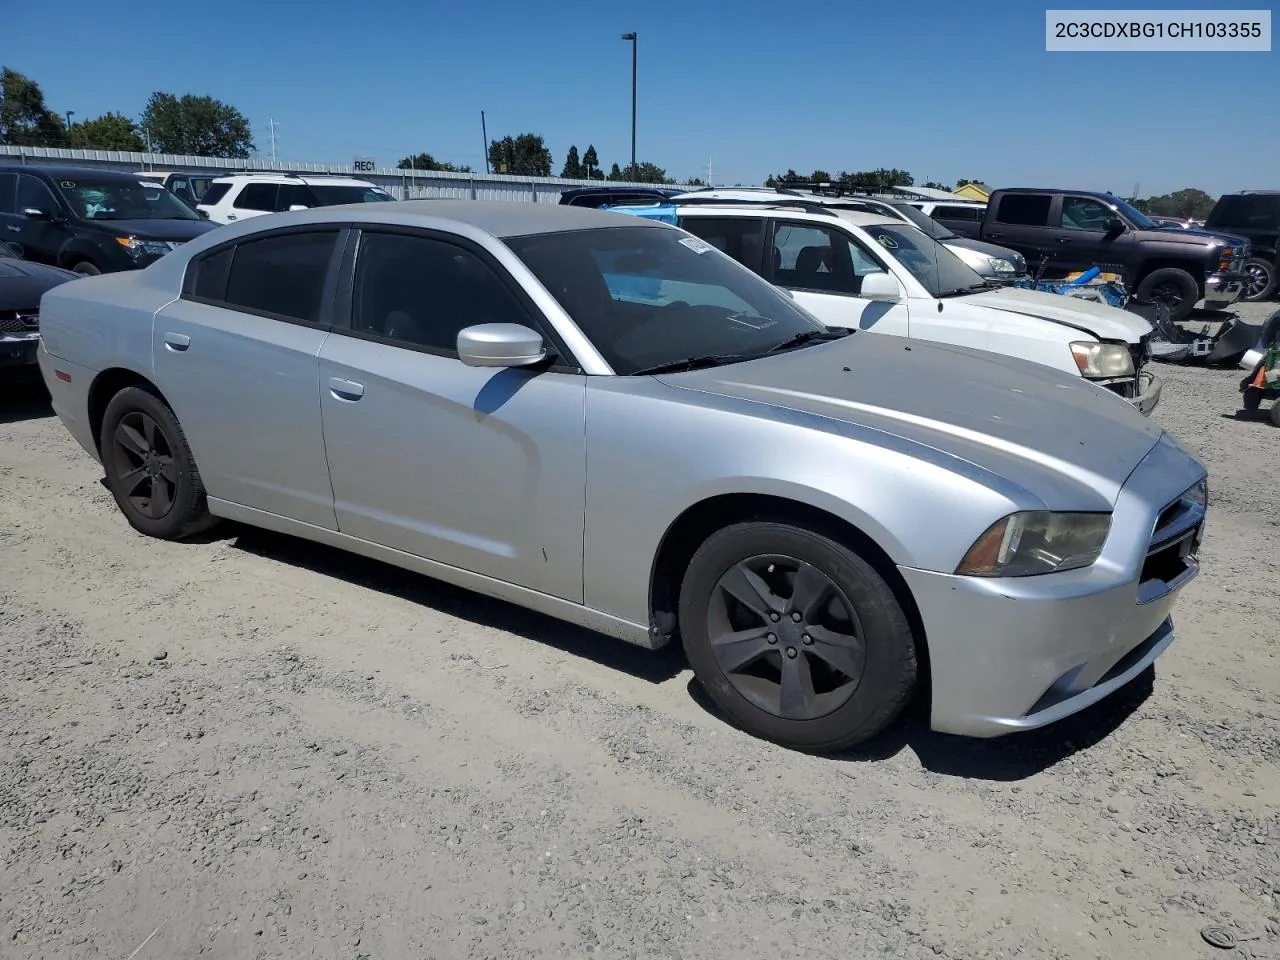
(799,203)
(284,173)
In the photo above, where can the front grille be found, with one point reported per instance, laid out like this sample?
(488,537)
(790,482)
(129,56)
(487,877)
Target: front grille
(19,321)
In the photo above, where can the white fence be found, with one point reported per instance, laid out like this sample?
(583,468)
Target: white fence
(403,184)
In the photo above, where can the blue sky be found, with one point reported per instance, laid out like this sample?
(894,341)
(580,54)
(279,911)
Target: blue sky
(943,89)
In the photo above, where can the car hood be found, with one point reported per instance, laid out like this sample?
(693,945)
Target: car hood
(1196,236)
(1066,442)
(984,248)
(174,230)
(22,283)
(1103,321)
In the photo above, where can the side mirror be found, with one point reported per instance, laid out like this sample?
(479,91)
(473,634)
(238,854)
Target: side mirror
(35,213)
(880,286)
(500,345)
(298,206)
(1115,227)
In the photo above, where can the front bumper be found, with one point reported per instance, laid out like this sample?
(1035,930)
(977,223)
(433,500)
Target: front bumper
(1016,654)
(18,349)
(1150,387)
(1221,290)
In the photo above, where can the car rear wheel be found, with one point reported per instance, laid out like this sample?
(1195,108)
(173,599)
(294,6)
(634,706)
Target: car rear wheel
(149,467)
(1173,287)
(796,637)
(1261,282)
(85,268)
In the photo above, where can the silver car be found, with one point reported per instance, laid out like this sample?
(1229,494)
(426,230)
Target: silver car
(606,419)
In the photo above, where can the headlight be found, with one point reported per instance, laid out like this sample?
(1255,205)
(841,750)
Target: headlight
(1102,360)
(138,248)
(1035,542)
(1001,266)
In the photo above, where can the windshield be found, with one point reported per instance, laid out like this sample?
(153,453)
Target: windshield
(123,200)
(930,226)
(332,196)
(1139,219)
(939,270)
(650,295)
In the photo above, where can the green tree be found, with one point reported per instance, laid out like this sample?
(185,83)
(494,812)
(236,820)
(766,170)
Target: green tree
(1188,203)
(523,156)
(820,176)
(25,121)
(197,126)
(425,161)
(695,182)
(591,163)
(776,179)
(615,173)
(643,173)
(111,131)
(573,169)
(961,183)
(932,185)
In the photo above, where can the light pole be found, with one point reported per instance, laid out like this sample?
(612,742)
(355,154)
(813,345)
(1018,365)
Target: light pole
(70,114)
(634,45)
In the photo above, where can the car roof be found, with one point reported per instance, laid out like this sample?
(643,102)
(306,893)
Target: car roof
(56,171)
(309,180)
(790,208)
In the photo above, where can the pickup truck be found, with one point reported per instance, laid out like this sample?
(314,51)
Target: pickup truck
(1075,229)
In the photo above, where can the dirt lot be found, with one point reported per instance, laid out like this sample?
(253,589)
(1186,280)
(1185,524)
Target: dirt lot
(254,747)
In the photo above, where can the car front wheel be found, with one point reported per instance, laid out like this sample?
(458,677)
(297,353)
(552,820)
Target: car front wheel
(795,636)
(1261,282)
(149,467)
(86,269)
(1173,287)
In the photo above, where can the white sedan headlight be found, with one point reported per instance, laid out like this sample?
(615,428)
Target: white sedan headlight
(1000,265)
(1036,542)
(1102,360)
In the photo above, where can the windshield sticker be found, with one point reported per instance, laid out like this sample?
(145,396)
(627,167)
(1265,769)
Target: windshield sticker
(696,245)
(887,241)
(68,184)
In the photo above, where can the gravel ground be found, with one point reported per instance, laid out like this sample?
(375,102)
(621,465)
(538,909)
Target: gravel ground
(251,746)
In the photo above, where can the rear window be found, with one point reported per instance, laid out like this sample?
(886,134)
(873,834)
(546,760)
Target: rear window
(959,213)
(1025,209)
(1247,211)
(215,193)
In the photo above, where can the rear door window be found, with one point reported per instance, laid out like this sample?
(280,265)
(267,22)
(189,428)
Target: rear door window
(281,275)
(740,237)
(214,193)
(257,196)
(1024,209)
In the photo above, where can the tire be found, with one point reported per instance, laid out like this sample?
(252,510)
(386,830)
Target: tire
(1173,287)
(87,269)
(1275,412)
(1262,280)
(138,423)
(1251,399)
(762,694)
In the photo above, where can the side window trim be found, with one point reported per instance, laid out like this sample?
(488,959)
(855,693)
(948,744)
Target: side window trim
(51,195)
(831,232)
(344,294)
(328,307)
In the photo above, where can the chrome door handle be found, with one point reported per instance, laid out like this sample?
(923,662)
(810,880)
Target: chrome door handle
(176,341)
(1064,239)
(14,229)
(231,216)
(347,390)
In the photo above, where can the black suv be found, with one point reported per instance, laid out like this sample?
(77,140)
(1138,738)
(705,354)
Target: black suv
(1255,215)
(613,196)
(92,221)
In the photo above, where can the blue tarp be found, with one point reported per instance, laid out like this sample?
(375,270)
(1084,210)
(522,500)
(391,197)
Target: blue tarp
(665,212)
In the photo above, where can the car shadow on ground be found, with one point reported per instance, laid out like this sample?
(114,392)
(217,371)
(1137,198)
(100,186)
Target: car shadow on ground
(23,397)
(652,666)
(1001,760)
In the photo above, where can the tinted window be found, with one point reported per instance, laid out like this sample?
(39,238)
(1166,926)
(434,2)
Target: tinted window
(739,237)
(329,196)
(1081,213)
(257,196)
(207,276)
(647,295)
(34,193)
(1028,209)
(295,193)
(425,291)
(282,275)
(810,257)
(100,198)
(215,192)
(200,187)
(939,270)
(958,213)
(8,185)
(1259,211)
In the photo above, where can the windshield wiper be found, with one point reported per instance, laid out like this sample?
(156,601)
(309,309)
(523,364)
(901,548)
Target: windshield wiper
(812,336)
(688,363)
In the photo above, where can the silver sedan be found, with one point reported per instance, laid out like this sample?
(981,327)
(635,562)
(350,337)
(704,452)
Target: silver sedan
(608,420)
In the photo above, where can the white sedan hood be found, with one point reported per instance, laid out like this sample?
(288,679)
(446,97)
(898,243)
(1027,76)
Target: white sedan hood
(1104,322)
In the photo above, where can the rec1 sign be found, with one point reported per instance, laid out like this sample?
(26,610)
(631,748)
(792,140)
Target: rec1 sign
(363,165)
